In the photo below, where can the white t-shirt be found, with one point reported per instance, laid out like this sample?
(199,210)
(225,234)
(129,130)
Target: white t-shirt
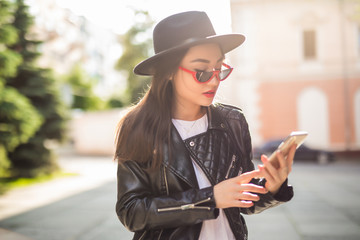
(213,229)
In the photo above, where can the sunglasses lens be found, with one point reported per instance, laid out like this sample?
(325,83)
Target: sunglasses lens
(224,74)
(203,76)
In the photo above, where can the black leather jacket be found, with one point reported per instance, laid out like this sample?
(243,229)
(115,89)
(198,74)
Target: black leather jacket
(168,204)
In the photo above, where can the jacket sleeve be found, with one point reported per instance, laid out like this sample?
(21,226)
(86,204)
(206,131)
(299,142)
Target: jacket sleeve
(240,130)
(138,208)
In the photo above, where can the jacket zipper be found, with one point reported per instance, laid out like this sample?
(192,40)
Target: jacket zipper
(142,235)
(160,234)
(231,166)
(187,206)
(166,183)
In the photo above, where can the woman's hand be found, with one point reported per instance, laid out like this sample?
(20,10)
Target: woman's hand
(276,177)
(235,192)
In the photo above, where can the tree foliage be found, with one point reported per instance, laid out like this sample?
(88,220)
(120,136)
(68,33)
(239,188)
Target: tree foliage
(39,87)
(137,46)
(9,60)
(19,120)
(82,89)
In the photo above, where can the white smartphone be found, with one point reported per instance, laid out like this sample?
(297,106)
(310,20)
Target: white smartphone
(297,137)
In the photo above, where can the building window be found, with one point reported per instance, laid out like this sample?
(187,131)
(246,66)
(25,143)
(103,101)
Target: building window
(309,44)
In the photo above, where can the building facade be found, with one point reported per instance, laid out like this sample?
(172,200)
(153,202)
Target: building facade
(299,69)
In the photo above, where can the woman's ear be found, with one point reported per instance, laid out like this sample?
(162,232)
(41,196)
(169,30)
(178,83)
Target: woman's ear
(171,77)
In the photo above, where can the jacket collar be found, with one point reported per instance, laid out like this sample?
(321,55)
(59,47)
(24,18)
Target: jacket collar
(216,120)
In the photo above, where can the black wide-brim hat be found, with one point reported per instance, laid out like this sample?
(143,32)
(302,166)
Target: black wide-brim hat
(182,31)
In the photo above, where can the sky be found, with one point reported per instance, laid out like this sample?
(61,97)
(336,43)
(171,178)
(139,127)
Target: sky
(117,15)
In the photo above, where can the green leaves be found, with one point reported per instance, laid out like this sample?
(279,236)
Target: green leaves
(31,111)
(82,87)
(9,61)
(19,120)
(8,34)
(136,43)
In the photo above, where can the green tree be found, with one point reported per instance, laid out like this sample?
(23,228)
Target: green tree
(39,86)
(82,89)
(115,102)
(19,120)
(137,46)
(9,60)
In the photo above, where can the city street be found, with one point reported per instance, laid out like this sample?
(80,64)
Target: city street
(326,205)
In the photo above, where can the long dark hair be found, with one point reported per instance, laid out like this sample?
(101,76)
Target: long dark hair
(144,130)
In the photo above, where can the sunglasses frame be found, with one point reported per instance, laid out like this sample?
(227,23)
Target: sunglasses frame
(216,72)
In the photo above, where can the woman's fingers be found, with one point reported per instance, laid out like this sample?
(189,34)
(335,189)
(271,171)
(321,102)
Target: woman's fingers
(251,188)
(281,159)
(244,199)
(290,157)
(265,174)
(232,193)
(243,204)
(272,172)
(247,196)
(276,176)
(246,177)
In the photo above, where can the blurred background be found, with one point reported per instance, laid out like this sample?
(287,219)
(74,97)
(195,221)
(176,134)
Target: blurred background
(66,76)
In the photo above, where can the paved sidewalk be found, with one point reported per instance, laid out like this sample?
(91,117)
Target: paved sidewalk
(90,172)
(326,206)
(80,207)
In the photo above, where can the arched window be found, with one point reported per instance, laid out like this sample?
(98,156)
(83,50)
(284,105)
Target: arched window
(313,116)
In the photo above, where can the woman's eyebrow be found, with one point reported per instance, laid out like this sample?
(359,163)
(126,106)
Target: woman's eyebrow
(207,61)
(201,60)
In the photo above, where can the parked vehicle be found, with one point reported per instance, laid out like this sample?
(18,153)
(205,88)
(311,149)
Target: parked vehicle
(304,152)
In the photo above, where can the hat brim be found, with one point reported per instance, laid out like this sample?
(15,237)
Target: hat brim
(226,42)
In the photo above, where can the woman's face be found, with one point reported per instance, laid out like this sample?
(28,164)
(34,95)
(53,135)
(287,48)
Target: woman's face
(189,93)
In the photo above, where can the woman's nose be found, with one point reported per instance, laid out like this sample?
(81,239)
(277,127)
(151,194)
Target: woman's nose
(215,80)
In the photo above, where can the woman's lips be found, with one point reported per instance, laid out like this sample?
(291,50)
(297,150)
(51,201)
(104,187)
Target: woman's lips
(209,94)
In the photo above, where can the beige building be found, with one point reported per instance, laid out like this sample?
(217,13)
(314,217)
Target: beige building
(299,69)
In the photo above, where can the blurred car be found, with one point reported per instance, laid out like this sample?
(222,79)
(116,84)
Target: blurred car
(304,152)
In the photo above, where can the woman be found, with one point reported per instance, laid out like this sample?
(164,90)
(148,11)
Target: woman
(185,169)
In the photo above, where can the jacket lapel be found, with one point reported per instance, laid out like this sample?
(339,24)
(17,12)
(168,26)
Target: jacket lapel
(216,121)
(179,161)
